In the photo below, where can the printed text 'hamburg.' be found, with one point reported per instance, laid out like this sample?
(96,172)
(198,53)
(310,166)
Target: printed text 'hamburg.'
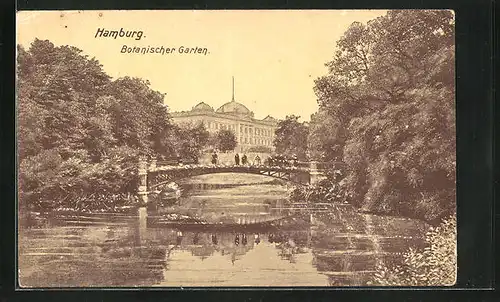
(105,33)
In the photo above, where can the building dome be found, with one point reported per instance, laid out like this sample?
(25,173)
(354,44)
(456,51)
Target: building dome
(234,107)
(202,107)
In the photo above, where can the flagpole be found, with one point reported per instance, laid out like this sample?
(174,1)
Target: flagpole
(233,89)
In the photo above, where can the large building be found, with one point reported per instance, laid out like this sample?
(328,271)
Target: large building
(234,116)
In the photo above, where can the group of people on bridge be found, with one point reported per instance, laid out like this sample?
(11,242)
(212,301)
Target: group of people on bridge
(279,160)
(237,159)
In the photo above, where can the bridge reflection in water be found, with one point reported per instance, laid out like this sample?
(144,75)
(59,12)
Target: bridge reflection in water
(123,250)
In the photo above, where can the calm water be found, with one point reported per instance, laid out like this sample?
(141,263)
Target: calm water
(123,250)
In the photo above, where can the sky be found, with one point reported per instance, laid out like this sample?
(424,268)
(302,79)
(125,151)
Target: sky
(274,56)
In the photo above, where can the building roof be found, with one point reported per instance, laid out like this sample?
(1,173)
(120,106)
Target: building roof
(269,119)
(202,107)
(234,107)
(232,111)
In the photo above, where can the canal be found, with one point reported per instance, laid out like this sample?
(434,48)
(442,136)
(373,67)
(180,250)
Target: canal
(341,248)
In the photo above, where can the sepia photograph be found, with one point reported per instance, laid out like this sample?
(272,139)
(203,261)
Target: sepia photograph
(236,148)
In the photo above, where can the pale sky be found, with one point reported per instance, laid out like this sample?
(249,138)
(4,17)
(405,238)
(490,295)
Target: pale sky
(274,56)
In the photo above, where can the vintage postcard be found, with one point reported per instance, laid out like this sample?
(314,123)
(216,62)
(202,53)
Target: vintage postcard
(281,148)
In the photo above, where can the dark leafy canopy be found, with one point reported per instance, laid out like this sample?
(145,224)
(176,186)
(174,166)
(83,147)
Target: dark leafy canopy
(80,132)
(189,140)
(225,140)
(326,137)
(291,137)
(389,97)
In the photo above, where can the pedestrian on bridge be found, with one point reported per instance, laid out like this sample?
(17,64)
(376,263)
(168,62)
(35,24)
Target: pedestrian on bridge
(244,159)
(257,239)
(237,159)
(256,160)
(214,158)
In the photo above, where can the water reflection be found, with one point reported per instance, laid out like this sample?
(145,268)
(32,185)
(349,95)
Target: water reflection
(342,249)
(129,255)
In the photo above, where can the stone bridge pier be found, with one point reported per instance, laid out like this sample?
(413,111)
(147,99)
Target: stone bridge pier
(142,191)
(315,173)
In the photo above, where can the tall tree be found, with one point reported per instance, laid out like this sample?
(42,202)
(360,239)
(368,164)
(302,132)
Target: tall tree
(61,86)
(140,120)
(391,87)
(225,140)
(79,132)
(189,140)
(326,137)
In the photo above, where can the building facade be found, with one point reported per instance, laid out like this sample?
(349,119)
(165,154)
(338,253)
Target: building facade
(234,116)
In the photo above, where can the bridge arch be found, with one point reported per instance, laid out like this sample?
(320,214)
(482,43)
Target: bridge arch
(150,177)
(287,180)
(299,177)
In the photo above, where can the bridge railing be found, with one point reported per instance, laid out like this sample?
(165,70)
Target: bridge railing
(161,165)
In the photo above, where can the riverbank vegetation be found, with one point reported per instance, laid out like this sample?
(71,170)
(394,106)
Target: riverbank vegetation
(435,265)
(80,132)
(386,108)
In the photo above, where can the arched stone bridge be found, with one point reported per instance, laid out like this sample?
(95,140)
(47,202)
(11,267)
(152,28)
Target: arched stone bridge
(154,175)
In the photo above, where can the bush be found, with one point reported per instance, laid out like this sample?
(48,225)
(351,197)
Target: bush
(48,182)
(330,190)
(435,265)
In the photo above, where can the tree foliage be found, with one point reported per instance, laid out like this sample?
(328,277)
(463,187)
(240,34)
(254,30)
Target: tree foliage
(326,137)
(389,99)
(189,140)
(80,132)
(291,137)
(225,140)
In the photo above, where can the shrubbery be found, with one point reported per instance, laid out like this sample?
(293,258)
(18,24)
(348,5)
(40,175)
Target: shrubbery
(435,265)
(331,190)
